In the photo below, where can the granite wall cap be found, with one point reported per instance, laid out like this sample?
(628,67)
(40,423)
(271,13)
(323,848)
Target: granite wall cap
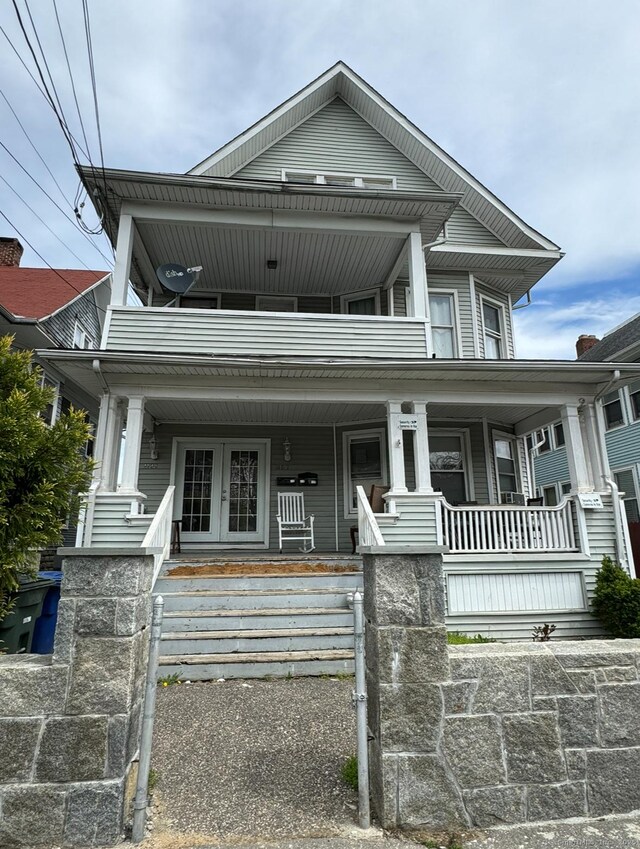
(402,549)
(107,551)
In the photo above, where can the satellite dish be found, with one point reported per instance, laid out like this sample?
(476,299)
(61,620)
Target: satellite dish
(175,278)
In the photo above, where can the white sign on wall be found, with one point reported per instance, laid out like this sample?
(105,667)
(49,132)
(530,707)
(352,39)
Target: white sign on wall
(590,500)
(408,422)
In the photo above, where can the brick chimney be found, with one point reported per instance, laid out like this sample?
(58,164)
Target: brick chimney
(584,343)
(10,251)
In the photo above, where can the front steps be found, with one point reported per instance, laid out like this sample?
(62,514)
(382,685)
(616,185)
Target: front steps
(257,625)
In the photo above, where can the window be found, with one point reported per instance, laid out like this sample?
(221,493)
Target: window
(634,394)
(506,466)
(550,495)
(81,338)
(626,484)
(442,312)
(50,413)
(612,408)
(365,464)
(558,434)
(447,462)
(364,303)
(276,303)
(195,302)
(492,322)
(351,181)
(565,488)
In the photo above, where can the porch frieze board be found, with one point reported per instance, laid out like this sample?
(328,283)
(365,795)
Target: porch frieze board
(273,219)
(543,562)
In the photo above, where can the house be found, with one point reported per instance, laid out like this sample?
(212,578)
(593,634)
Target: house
(47,308)
(620,423)
(350,325)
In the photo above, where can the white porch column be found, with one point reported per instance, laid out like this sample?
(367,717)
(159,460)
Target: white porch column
(107,442)
(578,468)
(133,443)
(396,448)
(418,296)
(595,429)
(122,267)
(421,450)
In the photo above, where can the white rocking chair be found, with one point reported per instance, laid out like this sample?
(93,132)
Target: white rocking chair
(292,522)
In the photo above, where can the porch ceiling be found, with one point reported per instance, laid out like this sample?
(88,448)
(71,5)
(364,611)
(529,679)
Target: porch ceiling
(236,260)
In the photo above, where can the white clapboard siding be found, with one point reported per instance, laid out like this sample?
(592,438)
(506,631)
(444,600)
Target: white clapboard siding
(416,524)
(110,528)
(187,331)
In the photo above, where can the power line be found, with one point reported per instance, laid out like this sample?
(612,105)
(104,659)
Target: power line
(55,270)
(71,80)
(43,222)
(53,201)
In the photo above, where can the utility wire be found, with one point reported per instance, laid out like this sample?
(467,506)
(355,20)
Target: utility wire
(43,222)
(55,270)
(71,80)
(53,201)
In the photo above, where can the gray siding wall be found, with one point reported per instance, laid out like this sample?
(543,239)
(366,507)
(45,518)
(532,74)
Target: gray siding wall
(551,467)
(464,228)
(61,325)
(623,445)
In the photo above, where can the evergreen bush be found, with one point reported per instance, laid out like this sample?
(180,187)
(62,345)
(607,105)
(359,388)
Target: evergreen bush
(616,600)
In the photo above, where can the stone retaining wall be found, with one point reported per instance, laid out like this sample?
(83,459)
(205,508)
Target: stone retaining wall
(484,735)
(69,723)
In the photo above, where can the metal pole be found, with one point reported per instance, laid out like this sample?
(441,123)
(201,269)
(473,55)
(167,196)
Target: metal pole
(142,800)
(360,702)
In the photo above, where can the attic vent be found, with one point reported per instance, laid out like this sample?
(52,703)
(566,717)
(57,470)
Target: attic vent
(351,181)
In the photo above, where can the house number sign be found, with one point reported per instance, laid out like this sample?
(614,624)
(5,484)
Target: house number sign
(590,500)
(408,423)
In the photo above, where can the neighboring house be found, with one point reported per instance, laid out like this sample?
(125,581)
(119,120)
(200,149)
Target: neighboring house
(620,423)
(45,308)
(352,320)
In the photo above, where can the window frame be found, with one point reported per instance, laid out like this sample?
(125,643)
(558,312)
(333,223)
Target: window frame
(499,435)
(549,487)
(632,407)
(485,299)
(348,437)
(202,295)
(46,380)
(636,485)
(554,431)
(364,295)
(455,313)
(621,402)
(321,176)
(79,327)
(467,466)
(292,298)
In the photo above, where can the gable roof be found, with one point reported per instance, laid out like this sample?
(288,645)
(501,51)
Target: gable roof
(623,340)
(37,293)
(340,80)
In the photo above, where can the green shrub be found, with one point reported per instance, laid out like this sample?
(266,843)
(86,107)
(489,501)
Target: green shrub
(349,772)
(616,600)
(457,638)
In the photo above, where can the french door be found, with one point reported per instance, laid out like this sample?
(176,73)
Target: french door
(221,492)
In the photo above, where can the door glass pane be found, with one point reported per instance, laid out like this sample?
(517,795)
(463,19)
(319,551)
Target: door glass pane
(196,491)
(365,464)
(362,306)
(243,491)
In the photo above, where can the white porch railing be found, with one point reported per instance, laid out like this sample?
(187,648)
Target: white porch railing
(498,528)
(368,530)
(159,533)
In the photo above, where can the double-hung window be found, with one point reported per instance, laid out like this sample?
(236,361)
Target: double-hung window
(50,413)
(492,320)
(558,434)
(612,408)
(362,303)
(634,395)
(443,328)
(625,481)
(506,465)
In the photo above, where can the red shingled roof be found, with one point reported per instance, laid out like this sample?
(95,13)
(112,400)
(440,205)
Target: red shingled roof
(38,292)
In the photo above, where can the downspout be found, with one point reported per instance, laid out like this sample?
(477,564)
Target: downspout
(335,485)
(98,371)
(532,464)
(618,518)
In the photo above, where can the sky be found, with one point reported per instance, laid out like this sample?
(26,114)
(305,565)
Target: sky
(539,100)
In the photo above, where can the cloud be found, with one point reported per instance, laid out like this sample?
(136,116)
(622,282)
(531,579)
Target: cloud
(549,331)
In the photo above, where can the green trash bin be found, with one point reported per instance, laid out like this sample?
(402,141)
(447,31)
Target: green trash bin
(16,629)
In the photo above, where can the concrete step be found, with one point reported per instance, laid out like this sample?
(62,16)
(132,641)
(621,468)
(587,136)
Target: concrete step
(237,620)
(348,581)
(257,665)
(213,600)
(264,640)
